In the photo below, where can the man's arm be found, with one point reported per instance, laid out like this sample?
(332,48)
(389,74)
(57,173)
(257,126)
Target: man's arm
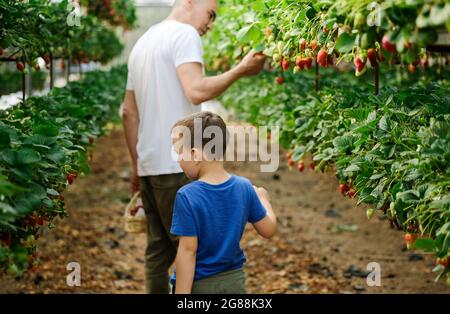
(185,264)
(199,88)
(131,125)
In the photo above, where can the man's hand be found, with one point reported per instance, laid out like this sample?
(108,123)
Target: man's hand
(252,64)
(131,124)
(134,184)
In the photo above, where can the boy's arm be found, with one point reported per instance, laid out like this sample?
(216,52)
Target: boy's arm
(185,264)
(266,227)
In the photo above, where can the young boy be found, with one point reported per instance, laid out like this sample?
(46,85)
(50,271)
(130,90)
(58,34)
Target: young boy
(210,213)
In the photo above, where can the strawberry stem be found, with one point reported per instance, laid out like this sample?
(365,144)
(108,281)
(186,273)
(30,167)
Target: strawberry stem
(377,79)
(316,77)
(23,83)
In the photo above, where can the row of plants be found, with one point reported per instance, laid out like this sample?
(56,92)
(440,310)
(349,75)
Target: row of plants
(391,152)
(40,28)
(44,145)
(11,81)
(115,12)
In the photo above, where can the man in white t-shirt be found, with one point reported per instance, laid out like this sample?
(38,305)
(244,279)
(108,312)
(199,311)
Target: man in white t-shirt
(166,82)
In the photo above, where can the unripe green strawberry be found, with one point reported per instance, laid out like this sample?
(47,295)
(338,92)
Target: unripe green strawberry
(276,57)
(370,212)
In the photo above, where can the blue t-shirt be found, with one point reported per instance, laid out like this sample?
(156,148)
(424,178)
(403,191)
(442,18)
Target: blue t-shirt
(216,215)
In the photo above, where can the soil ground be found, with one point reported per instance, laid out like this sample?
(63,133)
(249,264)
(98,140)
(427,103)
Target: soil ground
(324,243)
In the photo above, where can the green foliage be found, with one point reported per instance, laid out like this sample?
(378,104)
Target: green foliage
(42,142)
(394,149)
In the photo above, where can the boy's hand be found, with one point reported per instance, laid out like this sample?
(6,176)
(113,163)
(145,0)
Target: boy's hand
(262,192)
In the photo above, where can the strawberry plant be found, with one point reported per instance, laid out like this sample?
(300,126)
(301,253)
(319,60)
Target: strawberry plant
(115,12)
(10,81)
(390,152)
(43,147)
(348,30)
(40,29)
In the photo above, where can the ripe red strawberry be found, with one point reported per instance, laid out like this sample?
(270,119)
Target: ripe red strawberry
(412,228)
(134,211)
(312,166)
(443,261)
(20,66)
(313,45)
(285,64)
(351,193)
(359,64)
(40,221)
(289,155)
(343,188)
(302,44)
(34,269)
(308,62)
(387,45)
(300,62)
(330,60)
(372,57)
(71,177)
(46,59)
(291,163)
(380,55)
(322,58)
(280,80)
(424,62)
(410,238)
(301,166)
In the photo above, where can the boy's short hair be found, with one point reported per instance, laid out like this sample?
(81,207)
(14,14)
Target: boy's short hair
(208,120)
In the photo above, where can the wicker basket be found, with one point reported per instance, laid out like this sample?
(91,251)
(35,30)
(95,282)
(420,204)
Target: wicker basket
(138,222)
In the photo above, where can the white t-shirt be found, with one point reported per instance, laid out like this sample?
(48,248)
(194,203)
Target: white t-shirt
(152,75)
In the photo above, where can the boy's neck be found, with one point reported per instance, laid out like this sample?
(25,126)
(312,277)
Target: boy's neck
(213,173)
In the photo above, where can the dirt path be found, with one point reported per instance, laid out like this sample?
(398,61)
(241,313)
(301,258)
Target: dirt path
(323,245)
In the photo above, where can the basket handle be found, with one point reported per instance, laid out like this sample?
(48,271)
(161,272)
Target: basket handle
(132,202)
